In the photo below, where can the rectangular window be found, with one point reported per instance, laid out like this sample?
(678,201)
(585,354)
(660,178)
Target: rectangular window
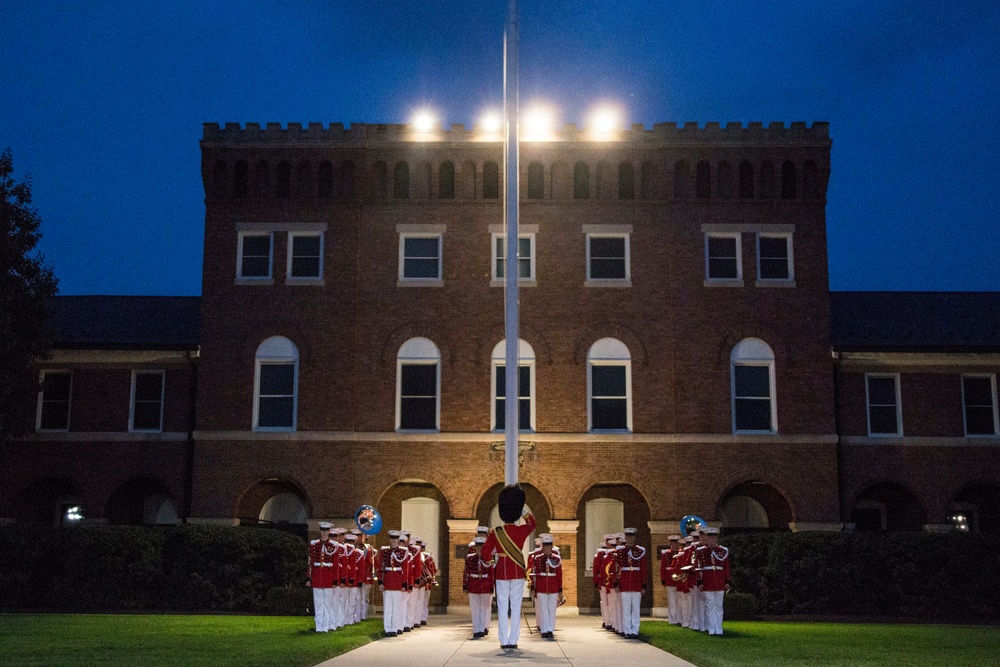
(305,256)
(53,408)
(276,396)
(722,257)
(147,401)
(607,257)
(525,256)
(609,397)
(420,257)
(979,400)
(774,257)
(418,388)
(523,398)
(255,256)
(884,416)
(752,409)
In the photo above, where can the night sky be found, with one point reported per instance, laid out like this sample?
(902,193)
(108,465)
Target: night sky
(102,104)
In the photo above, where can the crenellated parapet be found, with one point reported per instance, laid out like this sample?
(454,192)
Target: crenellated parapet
(691,133)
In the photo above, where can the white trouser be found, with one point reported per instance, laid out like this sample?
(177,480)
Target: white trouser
(545,611)
(685,608)
(366,591)
(697,609)
(713,611)
(412,602)
(616,607)
(673,613)
(480,603)
(353,603)
(323,607)
(630,612)
(604,606)
(509,594)
(393,608)
(426,604)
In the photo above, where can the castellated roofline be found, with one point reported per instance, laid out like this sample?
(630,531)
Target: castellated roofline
(798,133)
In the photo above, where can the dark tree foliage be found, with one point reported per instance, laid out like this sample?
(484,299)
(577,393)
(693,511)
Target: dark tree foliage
(26,283)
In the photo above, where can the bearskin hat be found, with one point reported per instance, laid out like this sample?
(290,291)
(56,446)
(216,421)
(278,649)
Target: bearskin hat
(511,503)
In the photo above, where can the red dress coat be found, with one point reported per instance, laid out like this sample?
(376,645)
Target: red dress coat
(505,568)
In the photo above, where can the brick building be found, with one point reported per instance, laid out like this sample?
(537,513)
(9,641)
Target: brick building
(680,351)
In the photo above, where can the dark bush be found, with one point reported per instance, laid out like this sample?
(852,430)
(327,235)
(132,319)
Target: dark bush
(741,606)
(289,601)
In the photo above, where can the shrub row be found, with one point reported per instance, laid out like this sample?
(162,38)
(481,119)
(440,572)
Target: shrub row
(923,575)
(115,568)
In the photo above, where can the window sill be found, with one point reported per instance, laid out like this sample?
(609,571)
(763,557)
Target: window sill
(310,282)
(273,429)
(145,430)
(885,435)
(520,283)
(741,432)
(419,282)
(724,283)
(609,283)
(774,283)
(254,281)
(610,431)
(418,430)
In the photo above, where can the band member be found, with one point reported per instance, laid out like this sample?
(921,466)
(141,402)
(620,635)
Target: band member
(715,573)
(688,579)
(598,569)
(697,599)
(667,578)
(615,593)
(369,575)
(354,559)
(389,568)
(410,576)
(430,581)
(503,548)
(340,593)
(632,583)
(477,581)
(547,568)
(321,576)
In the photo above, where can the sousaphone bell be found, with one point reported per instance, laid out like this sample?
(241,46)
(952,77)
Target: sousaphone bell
(368,520)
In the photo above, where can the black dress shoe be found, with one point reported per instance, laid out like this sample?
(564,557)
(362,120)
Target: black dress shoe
(423,622)
(513,646)
(406,629)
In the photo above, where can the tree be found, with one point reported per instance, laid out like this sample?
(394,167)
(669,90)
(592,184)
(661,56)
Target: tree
(26,284)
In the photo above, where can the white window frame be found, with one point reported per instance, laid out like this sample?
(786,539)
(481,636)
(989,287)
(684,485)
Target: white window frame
(41,402)
(305,280)
(610,282)
(403,357)
(760,354)
(131,411)
(426,232)
(993,391)
(289,356)
(738,237)
(592,361)
(790,278)
(899,405)
(498,280)
(269,278)
(525,358)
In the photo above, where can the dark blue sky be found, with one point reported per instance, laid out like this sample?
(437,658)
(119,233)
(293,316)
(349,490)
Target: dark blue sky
(102,104)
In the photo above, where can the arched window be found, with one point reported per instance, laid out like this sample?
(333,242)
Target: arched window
(344,181)
(467,180)
(304,182)
(220,186)
(581,181)
(446,181)
(724,181)
(682,180)
(325,184)
(789,188)
(380,180)
(240,178)
(766,180)
(418,386)
(283,182)
(284,507)
(746,180)
(536,181)
(261,180)
(525,386)
(609,386)
(401,181)
(810,180)
(422,182)
(703,180)
(491,181)
(647,180)
(626,181)
(276,382)
(603,180)
(752,376)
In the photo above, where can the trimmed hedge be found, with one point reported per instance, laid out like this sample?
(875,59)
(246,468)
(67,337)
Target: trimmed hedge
(116,568)
(923,575)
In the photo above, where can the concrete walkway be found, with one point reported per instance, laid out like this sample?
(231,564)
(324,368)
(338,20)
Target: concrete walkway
(447,640)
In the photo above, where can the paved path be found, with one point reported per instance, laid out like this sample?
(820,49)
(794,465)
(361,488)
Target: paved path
(447,640)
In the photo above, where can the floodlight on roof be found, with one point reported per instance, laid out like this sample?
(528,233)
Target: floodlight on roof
(604,122)
(491,122)
(539,124)
(423,121)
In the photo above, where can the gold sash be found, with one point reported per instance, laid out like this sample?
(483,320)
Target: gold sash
(511,550)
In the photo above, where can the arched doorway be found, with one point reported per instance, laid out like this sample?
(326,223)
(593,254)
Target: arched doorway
(141,502)
(754,506)
(887,506)
(488,513)
(50,502)
(275,503)
(976,509)
(609,508)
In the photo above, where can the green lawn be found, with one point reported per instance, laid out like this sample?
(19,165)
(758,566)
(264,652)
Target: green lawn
(766,644)
(85,640)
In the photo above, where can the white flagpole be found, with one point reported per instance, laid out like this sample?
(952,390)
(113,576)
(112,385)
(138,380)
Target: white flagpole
(511,268)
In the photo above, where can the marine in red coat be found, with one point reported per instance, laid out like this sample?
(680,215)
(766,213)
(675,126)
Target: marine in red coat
(548,578)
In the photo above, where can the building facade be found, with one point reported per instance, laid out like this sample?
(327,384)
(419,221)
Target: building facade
(680,351)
